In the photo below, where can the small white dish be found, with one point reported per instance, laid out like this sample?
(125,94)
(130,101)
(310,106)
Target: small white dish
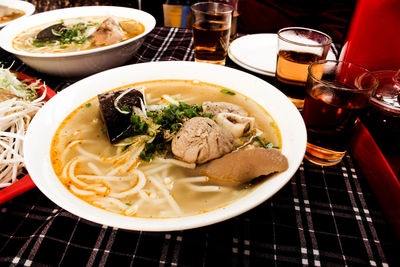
(24,6)
(37,143)
(80,63)
(258,52)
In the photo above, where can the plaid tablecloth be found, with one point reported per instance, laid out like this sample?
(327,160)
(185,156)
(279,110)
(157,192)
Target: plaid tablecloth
(325,216)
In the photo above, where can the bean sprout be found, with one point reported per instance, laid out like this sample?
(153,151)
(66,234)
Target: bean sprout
(15,116)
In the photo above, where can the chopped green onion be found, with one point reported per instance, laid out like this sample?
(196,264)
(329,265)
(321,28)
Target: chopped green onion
(226,91)
(268,145)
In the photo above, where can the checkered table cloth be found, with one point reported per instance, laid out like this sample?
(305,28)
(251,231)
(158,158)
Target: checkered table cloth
(324,216)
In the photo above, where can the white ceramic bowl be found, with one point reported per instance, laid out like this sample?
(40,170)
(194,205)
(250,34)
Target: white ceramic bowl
(27,7)
(47,120)
(81,63)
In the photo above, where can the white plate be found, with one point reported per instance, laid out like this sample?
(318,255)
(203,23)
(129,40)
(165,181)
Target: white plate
(27,7)
(258,52)
(47,120)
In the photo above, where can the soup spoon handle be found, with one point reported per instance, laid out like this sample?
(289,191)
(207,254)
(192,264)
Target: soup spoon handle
(22,185)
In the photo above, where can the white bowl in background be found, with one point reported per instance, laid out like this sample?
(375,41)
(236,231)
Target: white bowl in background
(27,7)
(81,63)
(37,142)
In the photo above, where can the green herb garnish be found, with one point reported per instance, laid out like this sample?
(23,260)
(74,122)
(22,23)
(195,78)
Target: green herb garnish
(226,91)
(149,150)
(126,109)
(139,126)
(88,105)
(65,35)
(268,145)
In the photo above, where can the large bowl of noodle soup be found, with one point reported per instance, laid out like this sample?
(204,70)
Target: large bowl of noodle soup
(39,150)
(86,59)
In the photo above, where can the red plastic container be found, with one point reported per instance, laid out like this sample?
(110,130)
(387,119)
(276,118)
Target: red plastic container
(373,39)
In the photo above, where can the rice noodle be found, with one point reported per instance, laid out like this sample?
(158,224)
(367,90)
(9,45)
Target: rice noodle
(169,99)
(167,194)
(118,98)
(141,181)
(178,163)
(94,168)
(156,169)
(204,188)
(103,178)
(104,202)
(71,173)
(81,192)
(134,208)
(88,154)
(194,179)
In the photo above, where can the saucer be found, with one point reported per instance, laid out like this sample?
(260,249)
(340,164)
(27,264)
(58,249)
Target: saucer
(258,52)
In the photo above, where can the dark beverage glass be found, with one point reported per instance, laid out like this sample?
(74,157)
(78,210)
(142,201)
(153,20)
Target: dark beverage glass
(211,30)
(337,92)
(297,49)
(383,116)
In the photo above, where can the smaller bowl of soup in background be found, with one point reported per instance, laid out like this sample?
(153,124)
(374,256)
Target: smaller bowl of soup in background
(10,11)
(77,63)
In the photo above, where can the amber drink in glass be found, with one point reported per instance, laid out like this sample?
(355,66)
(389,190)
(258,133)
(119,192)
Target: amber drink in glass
(337,93)
(211,30)
(297,49)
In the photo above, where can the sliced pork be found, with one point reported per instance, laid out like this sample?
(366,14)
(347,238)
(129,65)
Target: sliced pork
(200,140)
(108,32)
(223,107)
(244,165)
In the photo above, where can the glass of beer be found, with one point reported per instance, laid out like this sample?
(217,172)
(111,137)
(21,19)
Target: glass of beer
(337,92)
(211,30)
(235,15)
(297,49)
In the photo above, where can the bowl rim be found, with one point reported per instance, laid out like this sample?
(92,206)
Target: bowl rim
(37,148)
(25,6)
(9,32)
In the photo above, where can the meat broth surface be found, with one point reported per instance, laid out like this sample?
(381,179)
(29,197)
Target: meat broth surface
(8,14)
(84,33)
(88,165)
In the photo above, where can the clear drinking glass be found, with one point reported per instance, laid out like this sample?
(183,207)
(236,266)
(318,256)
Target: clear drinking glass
(337,93)
(297,49)
(211,30)
(235,15)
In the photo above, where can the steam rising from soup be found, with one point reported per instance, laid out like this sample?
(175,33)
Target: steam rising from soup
(114,178)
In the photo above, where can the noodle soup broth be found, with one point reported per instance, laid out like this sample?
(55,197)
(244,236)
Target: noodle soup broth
(80,28)
(109,178)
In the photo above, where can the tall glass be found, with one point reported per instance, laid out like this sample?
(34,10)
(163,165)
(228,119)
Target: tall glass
(235,15)
(337,92)
(297,49)
(211,30)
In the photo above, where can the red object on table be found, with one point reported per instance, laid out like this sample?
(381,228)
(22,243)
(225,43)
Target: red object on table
(373,39)
(379,174)
(21,186)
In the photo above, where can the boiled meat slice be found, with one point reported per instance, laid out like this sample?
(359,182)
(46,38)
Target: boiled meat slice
(108,32)
(223,107)
(200,140)
(4,11)
(244,165)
